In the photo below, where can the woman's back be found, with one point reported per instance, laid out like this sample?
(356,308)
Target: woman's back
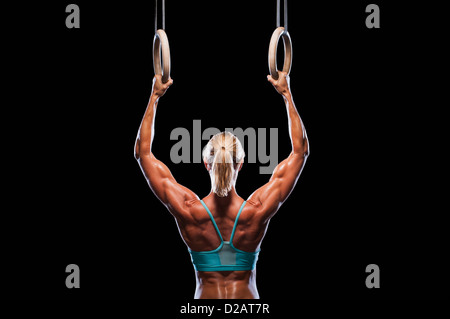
(198,229)
(229,229)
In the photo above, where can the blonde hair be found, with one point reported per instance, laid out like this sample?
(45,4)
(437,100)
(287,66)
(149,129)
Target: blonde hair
(222,153)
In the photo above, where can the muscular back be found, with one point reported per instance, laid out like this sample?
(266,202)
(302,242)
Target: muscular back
(199,233)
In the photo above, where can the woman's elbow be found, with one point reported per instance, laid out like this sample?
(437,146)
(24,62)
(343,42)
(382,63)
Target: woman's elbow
(306,147)
(302,148)
(137,152)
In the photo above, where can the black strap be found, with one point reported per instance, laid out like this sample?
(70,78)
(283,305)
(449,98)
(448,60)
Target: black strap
(164,14)
(163,9)
(285,14)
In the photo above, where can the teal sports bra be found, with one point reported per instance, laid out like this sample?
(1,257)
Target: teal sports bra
(226,257)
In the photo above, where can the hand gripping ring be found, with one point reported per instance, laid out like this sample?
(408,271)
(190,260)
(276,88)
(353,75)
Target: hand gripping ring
(280,32)
(161,43)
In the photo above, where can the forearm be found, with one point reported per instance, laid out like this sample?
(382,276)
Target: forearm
(297,131)
(147,129)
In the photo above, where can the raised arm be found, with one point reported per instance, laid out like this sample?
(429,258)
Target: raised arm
(173,195)
(285,176)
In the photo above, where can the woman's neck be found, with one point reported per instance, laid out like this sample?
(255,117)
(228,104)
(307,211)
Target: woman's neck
(224,201)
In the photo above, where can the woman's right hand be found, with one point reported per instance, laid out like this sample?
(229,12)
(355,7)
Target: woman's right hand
(282,85)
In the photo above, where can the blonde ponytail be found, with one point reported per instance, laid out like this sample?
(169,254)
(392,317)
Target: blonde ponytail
(223,152)
(222,172)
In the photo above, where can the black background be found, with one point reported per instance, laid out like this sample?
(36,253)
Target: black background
(79,196)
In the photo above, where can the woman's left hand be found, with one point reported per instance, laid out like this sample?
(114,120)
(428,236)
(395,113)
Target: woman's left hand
(159,88)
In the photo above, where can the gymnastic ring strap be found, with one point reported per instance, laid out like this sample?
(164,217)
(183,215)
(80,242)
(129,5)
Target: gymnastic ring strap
(161,44)
(280,32)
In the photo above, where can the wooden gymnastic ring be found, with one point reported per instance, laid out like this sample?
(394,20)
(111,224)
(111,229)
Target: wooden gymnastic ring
(161,43)
(280,32)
